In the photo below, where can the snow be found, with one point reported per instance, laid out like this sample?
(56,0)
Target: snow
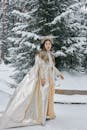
(70,50)
(29,44)
(73,81)
(69,10)
(5,80)
(84,9)
(81,41)
(68,116)
(70,99)
(60,53)
(12,39)
(0,43)
(21,14)
(5,100)
(20,26)
(28,34)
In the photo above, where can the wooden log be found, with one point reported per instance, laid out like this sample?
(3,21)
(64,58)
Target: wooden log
(70,92)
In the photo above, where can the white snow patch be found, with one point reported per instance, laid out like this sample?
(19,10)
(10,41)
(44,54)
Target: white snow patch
(5,80)
(4,98)
(70,98)
(73,81)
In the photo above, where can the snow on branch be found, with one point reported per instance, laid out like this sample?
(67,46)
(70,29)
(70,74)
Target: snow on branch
(68,11)
(28,34)
(21,14)
(60,53)
(20,27)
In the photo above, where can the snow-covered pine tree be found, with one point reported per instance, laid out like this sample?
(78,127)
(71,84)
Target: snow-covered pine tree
(0,31)
(23,37)
(45,14)
(11,20)
(5,28)
(76,21)
(33,19)
(47,11)
(71,34)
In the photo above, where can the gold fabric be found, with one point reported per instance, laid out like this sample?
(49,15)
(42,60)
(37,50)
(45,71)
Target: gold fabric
(50,108)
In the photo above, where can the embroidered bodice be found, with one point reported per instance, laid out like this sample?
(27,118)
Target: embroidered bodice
(46,68)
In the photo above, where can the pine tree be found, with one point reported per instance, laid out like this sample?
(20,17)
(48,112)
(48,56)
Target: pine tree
(45,14)
(5,28)
(67,29)
(0,32)
(30,20)
(23,45)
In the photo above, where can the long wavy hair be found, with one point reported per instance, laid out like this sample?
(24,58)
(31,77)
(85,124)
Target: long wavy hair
(43,52)
(42,46)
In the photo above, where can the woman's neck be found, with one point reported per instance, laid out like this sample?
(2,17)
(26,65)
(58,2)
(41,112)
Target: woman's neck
(48,51)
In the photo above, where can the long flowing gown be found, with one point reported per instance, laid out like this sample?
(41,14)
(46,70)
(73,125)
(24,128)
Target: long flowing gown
(31,103)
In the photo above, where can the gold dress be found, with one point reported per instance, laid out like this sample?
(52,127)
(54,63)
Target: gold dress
(31,103)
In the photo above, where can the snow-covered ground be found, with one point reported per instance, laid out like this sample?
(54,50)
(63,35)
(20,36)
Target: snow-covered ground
(70,99)
(73,80)
(4,98)
(5,80)
(68,116)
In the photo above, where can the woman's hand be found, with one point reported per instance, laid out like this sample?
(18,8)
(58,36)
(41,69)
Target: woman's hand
(62,77)
(43,81)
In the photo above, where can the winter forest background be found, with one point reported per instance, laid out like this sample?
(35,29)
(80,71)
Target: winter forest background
(24,22)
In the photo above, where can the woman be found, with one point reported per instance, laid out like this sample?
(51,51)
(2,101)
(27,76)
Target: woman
(32,101)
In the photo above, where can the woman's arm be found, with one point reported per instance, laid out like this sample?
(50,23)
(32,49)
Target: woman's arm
(58,73)
(37,67)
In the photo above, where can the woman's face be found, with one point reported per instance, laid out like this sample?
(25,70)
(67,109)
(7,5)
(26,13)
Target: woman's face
(48,45)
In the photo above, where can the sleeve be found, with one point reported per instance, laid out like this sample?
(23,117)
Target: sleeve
(56,71)
(37,60)
(40,64)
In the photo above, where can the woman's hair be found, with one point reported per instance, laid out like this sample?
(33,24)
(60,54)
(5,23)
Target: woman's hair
(42,52)
(44,55)
(42,46)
